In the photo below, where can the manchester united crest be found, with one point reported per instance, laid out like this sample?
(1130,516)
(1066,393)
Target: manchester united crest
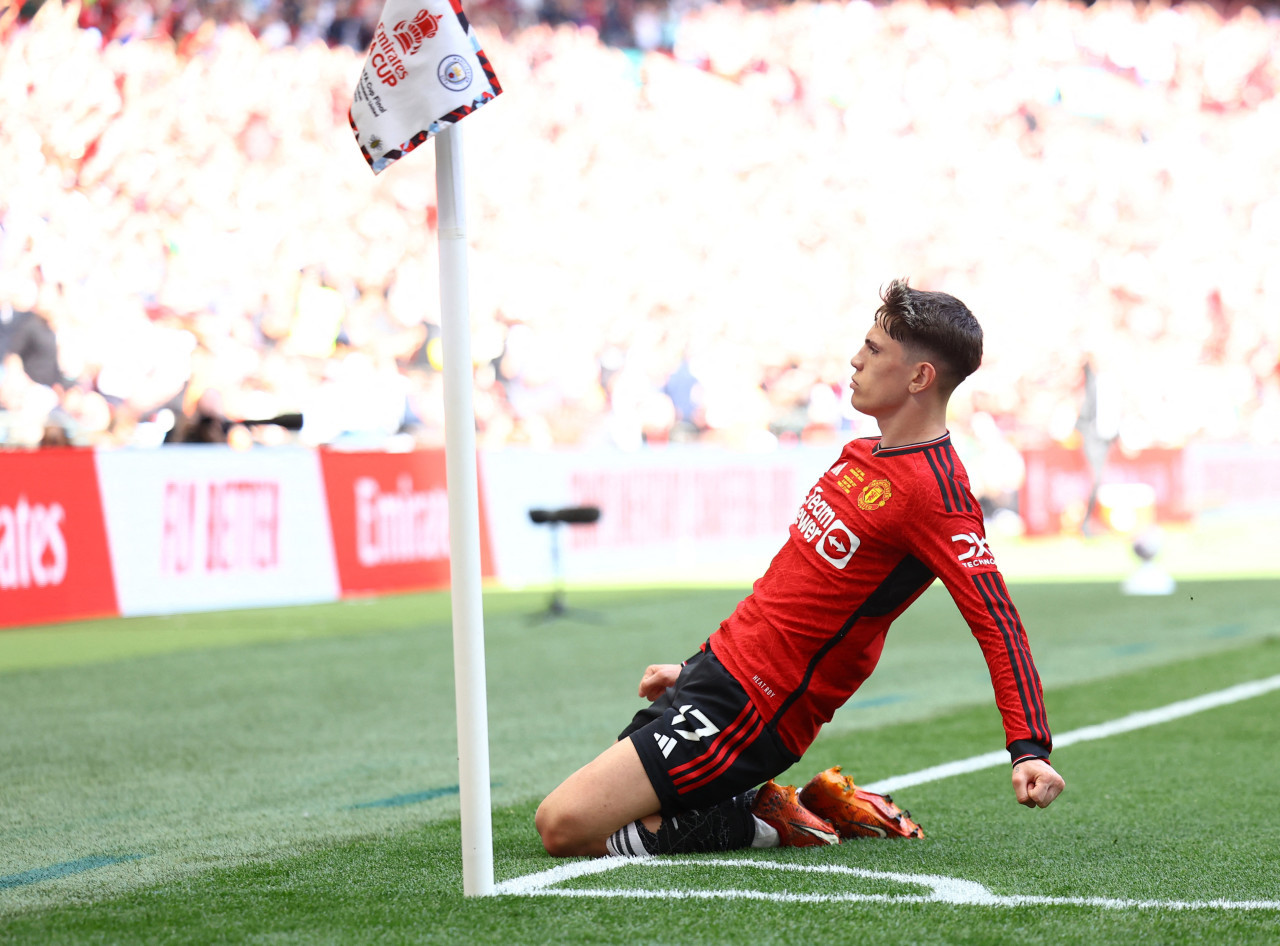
(874,495)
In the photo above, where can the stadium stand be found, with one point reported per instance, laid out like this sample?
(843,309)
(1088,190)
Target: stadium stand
(670,243)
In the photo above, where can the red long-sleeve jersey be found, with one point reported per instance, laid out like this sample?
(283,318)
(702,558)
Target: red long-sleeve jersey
(871,535)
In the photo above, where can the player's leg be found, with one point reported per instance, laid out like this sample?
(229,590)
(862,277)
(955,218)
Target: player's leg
(609,807)
(607,794)
(614,803)
(695,756)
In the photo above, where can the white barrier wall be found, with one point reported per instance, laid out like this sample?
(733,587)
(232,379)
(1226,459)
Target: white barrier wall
(188,528)
(195,528)
(670,514)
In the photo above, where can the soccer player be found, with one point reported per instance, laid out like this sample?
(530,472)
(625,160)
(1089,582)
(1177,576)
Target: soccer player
(893,513)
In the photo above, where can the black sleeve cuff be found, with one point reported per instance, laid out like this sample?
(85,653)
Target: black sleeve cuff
(1022,749)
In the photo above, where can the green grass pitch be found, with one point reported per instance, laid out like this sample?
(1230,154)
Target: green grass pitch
(290,776)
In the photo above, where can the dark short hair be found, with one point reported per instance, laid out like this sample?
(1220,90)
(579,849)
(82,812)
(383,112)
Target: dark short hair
(935,325)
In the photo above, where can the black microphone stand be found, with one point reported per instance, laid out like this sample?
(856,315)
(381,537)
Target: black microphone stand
(554,518)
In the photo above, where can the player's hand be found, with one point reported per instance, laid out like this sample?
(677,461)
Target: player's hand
(1036,783)
(656,679)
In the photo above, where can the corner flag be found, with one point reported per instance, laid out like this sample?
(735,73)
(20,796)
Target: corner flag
(425,70)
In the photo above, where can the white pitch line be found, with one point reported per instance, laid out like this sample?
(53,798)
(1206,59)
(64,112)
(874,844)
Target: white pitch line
(1109,903)
(1140,720)
(942,889)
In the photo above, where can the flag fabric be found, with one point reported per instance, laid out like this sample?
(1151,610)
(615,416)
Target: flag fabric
(425,70)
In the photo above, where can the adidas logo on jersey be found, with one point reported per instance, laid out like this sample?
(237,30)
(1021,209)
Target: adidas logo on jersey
(665,743)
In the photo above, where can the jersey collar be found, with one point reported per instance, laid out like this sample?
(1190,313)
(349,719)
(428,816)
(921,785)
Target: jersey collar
(878,451)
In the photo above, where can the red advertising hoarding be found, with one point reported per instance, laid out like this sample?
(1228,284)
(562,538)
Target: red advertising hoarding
(389,513)
(54,562)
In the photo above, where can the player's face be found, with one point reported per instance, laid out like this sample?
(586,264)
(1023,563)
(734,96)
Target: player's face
(881,374)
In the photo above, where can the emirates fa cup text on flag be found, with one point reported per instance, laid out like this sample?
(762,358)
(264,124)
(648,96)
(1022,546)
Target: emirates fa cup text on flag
(425,70)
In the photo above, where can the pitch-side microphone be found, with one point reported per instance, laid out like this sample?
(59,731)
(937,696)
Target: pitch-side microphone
(570,514)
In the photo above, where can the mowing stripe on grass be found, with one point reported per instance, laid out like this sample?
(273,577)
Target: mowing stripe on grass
(64,869)
(1139,720)
(941,889)
(397,801)
(887,700)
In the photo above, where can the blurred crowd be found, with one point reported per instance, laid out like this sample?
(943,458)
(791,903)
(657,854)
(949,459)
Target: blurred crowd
(677,241)
(637,24)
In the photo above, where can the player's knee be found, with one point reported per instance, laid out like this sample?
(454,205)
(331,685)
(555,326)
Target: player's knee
(561,834)
(551,830)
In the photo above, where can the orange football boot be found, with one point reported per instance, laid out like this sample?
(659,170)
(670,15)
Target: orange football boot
(778,807)
(856,812)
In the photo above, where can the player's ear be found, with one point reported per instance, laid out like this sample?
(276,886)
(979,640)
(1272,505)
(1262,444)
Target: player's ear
(924,377)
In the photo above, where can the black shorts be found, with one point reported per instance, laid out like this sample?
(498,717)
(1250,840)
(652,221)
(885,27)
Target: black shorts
(703,741)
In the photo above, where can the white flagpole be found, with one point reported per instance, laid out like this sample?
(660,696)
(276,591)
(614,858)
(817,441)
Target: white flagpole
(464,521)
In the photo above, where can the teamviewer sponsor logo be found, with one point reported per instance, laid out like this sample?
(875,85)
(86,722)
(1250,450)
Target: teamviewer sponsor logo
(838,544)
(817,520)
(815,515)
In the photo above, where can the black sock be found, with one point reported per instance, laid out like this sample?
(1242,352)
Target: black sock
(726,827)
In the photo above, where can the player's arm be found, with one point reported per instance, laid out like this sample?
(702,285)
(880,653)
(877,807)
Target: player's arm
(996,625)
(954,548)
(984,601)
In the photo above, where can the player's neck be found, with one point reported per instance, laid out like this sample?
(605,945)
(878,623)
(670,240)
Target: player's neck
(913,423)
